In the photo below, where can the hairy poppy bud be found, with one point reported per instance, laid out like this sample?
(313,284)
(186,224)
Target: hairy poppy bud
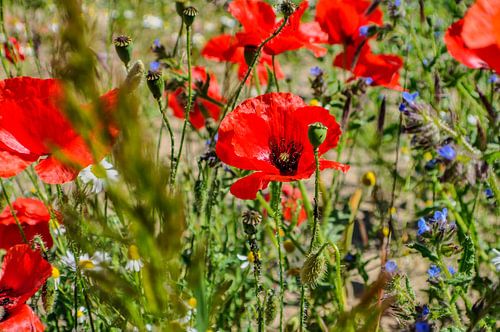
(317,134)
(288,8)
(180,5)
(189,14)
(134,76)
(123,47)
(249,53)
(155,80)
(270,307)
(313,270)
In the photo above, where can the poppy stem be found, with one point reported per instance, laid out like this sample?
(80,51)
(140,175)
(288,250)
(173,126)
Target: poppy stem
(189,106)
(274,74)
(166,123)
(275,204)
(13,212)
(316,201)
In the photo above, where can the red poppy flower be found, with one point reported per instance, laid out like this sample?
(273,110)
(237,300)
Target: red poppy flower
(341,19)
(225,48)
(268,134)
(34,219)
(290,202)
(485,57)
(202,108)
(482,24)
(259,22)
(33,127)
(383,69)
(13,52)
(24,271)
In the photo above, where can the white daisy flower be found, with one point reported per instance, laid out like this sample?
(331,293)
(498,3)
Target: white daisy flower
(496,259)
(56,275)
(85,262)
(152,22)
(129,14)
(98,175)
(246,260)
(134,262)
(81,314)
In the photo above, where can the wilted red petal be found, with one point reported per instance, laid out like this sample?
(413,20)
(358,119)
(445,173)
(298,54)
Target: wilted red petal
(21,319)
(23,272)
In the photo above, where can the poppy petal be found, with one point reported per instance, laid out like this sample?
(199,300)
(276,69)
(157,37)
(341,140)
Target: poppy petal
(22,319)
(23,272)
(329,164)
(457,48)
(12,164)
(247,187)
(479,24)
(253,15)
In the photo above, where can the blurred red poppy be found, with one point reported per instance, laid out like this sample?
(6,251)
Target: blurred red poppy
(33,127)
(225,48)
(268,134)
(482,24)
(290,203)
(382,69)
(202,108)
(13,51)
(483,57)
(259,22)
(24,271)
(341,19)
(34,219)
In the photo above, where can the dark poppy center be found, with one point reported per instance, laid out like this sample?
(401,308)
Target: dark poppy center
(285,155)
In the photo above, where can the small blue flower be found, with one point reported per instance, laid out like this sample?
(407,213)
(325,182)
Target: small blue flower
(368,80)
(441,216)
(431,164)
(363,31)
(447,152)
(489,193)
(422,227)
(410,97)
(434,271)
(315,71)
(157,43)
(493,79)
(391,266)
(154,66)
(402,107)
(452,270)
(425,62)
(425,310)
(422,327)
(397,3)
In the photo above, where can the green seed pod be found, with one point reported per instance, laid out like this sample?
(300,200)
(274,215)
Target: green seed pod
(270,307)
(249,53)
(313,270)
(251,219)
(155,84)
(123,47)
(317,134)
(189,14)
(288,8)
(180,5)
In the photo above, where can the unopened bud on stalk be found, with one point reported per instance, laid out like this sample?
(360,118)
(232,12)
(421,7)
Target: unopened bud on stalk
(134,77)
(180,5)
(155,81)
(313,270)
(288,8)
(317,134)
(270,307)
(123,47)
(250,52)
(189,14)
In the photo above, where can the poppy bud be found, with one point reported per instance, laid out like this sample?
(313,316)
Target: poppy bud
(180,5)
(313,269)
(270,307)
(317,134)
(134,76)
(123,47)
(189,14)
(48,297)
(288,8)
(155,82)
(369,179)
(250,53)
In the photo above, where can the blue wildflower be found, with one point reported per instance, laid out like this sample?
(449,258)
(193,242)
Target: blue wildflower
(431,164)
(447,152)
(157,43)
(493,79)
(363,31)
(422,326)
(425,62)
(154,66)
(434,271)
(368,80)
(402,107)
(422,227)
(489,193)
(425,310)
(397,3)
(316,71)
(441,216)
(391,266)
(452,270)
(410,97)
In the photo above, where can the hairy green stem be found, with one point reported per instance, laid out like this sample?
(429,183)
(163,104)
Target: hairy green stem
(275,204)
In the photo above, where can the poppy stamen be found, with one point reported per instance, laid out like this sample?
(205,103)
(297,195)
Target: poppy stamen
(285,155)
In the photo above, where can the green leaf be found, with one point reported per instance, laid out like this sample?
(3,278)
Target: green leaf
(467,261)
(424,251)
